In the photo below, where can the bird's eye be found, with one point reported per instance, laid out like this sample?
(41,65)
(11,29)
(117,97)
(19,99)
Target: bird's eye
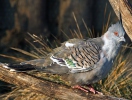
(116,33)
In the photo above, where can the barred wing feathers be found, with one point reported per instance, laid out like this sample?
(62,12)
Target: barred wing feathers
(80,57)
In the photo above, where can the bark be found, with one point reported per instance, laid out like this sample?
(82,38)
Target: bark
(126,13)
(47,88)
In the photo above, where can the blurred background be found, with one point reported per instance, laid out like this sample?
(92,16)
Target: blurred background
(48,18)
(53,20)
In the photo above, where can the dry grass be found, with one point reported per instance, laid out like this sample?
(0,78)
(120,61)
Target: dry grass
(119,81)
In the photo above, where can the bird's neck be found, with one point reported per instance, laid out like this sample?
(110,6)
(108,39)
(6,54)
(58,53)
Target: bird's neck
(109,48)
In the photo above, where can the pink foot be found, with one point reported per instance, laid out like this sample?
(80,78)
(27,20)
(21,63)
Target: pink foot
(91,89)
(80,88)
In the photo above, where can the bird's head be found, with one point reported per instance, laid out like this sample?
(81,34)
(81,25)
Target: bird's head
(116,32)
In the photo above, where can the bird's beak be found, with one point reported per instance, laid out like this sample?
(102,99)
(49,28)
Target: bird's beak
(122,39)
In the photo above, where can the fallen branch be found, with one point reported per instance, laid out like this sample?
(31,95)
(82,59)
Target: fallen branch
(48,88)
(126,12)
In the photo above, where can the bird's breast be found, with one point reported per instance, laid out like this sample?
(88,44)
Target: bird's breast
(110,50)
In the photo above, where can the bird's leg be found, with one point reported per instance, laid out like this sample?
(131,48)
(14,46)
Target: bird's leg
(80,88)
(91,89)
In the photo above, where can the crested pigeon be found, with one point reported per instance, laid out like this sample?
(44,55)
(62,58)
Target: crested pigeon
(80,61)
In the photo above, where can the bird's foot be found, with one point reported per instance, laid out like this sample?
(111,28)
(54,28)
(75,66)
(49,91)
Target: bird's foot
(91,89)
(80,88)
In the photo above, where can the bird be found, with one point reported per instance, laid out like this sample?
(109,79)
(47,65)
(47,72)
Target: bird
(80,61)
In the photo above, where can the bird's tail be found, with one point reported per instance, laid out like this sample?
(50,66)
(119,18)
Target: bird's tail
(38,65)
(18,67)
(24,66)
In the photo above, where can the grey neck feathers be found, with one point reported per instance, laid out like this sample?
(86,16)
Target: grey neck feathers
(110,48)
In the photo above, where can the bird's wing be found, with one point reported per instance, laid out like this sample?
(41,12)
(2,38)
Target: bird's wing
(78,57)
(73,56)
(46,61)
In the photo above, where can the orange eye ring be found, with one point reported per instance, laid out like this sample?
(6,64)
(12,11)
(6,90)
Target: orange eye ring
(116,33)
